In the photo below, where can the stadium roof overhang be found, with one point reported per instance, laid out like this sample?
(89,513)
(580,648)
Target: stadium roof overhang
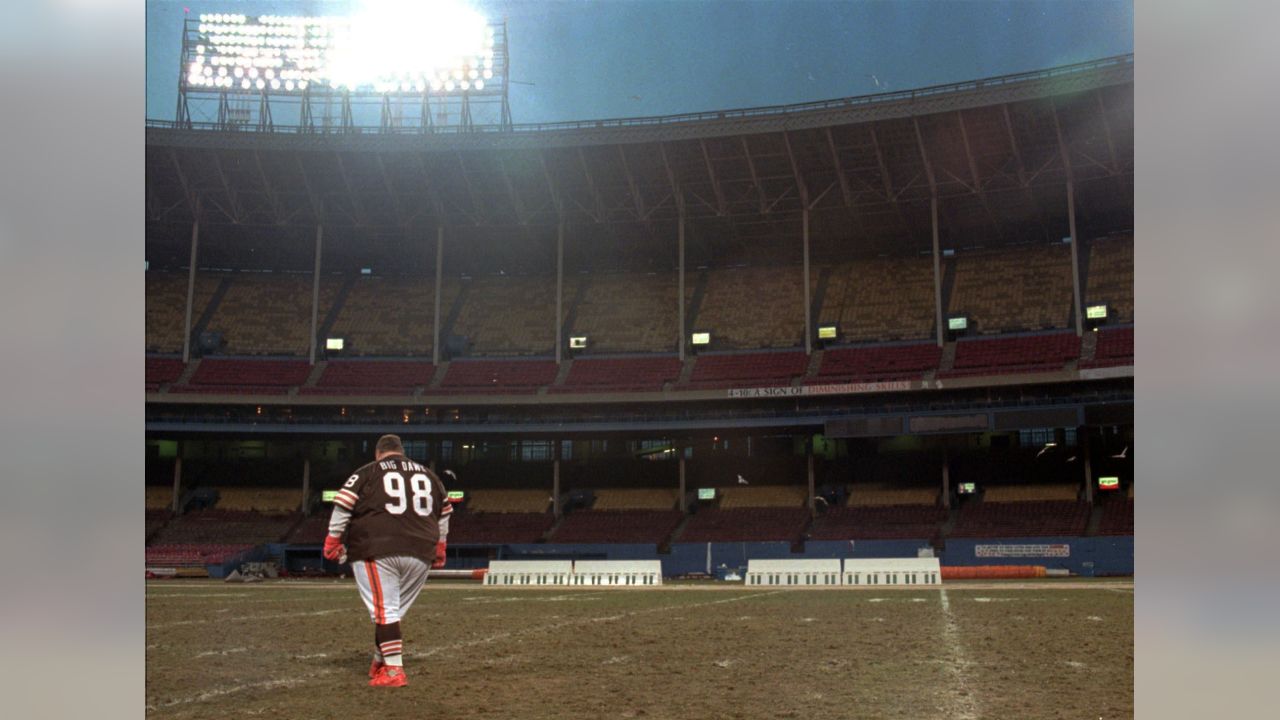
(996,153)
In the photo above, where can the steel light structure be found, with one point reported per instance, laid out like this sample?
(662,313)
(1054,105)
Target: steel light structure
(416,66)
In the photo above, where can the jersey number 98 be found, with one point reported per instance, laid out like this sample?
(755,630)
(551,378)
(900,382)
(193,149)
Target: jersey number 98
(393,483)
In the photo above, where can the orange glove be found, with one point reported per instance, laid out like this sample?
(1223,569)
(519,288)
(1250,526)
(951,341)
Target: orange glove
(439,561)
(334,549)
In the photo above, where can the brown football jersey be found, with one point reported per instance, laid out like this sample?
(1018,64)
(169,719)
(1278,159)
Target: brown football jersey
(396,508)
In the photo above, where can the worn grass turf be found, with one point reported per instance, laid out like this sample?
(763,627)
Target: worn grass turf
(301,650)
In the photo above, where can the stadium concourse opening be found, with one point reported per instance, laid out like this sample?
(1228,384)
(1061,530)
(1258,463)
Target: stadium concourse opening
(699,417)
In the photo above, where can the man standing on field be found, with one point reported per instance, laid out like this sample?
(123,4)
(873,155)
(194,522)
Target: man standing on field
(395,515)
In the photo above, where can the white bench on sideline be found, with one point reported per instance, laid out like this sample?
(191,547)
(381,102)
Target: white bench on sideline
(879,572)
(793,572)
(633,573)
(529,572)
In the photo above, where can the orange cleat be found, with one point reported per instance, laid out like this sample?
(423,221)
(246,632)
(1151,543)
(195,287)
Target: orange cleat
(374,667)
(389,676)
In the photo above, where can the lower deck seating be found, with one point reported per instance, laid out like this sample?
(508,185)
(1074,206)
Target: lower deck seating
(713,372)
(745,525)
(236,527)
(497,376)
(1115,347)
(1019,519)
(487,528)
(618,526)
(1019,354)
(259,499)
(639,374)
(372,377)
(224,375)
(159,497)
(874,364)
(193,555)
(882,494)
(156,520)
(1029,492)
(1117,516)
(508,501)
(885,522)
(782,496)
(635,499)
(313,530)
(163,370)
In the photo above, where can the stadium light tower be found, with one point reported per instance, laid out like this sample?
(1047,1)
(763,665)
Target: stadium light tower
(406,62)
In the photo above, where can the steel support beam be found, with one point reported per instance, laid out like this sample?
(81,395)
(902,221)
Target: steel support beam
(1075,257)
(812,504)
(937,270)
(315,292)
(559,291)
(680,286)
(177,478)
(946,480)
(680,461)
(435,327)
(555,480)
(191,287)
(808,302)
(1083,435)
(306,483)
(1071,225)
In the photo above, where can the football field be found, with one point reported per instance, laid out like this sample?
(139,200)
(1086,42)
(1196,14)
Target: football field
(300,649)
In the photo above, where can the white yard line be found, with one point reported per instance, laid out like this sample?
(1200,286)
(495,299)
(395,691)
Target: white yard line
(230,690)
(581,621)
(307,677)
(241,618)
(963,705)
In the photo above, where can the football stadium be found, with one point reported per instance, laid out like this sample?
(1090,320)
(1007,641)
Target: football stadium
(838,394)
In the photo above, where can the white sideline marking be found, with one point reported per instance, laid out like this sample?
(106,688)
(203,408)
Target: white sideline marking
(224,652)
(583,621)
(964,705)
(263,685)
(304,678)
(273,616)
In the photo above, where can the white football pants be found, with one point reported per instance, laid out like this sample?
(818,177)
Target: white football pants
(389,585)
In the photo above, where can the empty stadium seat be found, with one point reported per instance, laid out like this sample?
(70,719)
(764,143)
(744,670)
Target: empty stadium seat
(887,522)
(488,528)
(1024,493)
(223,375)
(193,554)
(497,376)
(886,494)
(754,307)
(1114,347)
(745,524)
(617,526)
(629,312)
(508,501)
(166,307)
(1013,289)
(163,370)
(712,372)
(1117,516)
(269,500)
(620,374)
(372,377)
(1021,519)
(785,496)
(509,315)
(881,299)
(1017,354)
(270,313)
(391,316)
(1110,279)
(876,363)
(635,499)
(225,526)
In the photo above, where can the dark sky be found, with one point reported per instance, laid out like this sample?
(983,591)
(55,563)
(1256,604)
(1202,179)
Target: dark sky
(616,58)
